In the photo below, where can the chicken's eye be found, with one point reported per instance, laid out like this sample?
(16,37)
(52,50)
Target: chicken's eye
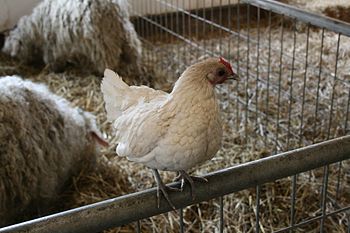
(221,72)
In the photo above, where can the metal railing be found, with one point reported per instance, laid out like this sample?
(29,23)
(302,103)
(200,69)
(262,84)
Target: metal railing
(126,209)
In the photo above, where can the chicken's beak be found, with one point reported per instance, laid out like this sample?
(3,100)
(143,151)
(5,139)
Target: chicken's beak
(234,76)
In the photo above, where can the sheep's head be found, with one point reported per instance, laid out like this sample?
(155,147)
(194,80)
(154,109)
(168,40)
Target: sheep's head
(93,133)
(11,45)
(23,44)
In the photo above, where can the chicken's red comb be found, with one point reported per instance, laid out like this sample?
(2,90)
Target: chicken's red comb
(227,64)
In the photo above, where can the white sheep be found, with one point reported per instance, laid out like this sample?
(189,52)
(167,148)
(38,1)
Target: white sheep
(90,34)
(43,143)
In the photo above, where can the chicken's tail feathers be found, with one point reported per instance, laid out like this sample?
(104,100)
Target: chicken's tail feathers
(114,90)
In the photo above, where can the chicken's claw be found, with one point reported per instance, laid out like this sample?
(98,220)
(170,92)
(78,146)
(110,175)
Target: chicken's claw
(184,176)
(162,187)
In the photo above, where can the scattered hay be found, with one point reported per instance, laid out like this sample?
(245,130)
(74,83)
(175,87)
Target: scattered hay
(338,9)
(106,180)
(248,135)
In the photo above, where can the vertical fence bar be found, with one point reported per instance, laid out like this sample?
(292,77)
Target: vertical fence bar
(238,64)
(142,31)
(291,83)
(347,114)
(268,77)
(247,78)
(221,228)
(160,16)
(197,28)
(333,89)
(257,217)
(229,26)
(190,37)
(157,30)
(304,86)
(229,56)
(279,85)
(324,197)
(318,84)
(178,31)
(181,219)
(337,191)
(172,24)
(147,36)
(167,37)
(211,25)
(204,27)
(150,27)
(147,29)
(167,25)
(140,23)
(220,30)
(293,198)
(184,57)
(257,69)
(153,32)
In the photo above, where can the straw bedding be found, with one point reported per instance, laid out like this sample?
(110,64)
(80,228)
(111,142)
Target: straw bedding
(257,126)
(244,140)
(338,9)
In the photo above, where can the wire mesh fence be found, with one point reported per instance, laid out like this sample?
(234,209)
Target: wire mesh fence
(290,69)
(294,89)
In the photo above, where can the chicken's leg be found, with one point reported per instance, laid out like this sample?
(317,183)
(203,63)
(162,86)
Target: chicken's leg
(162,187)
(184,176)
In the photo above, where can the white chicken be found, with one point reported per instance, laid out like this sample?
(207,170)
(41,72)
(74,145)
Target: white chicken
(168,131)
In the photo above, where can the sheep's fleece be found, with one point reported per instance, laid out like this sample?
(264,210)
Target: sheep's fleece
(43,143)
(89,34)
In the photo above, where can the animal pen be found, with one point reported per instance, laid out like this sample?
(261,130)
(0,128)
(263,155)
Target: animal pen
(285,122)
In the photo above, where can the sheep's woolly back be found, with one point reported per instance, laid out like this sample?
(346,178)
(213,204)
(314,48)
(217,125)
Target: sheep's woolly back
(43,142)
(90,34)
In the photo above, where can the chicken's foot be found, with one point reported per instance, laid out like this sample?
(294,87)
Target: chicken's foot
(162,187)
(184,176)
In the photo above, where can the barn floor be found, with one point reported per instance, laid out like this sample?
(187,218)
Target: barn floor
(242,142)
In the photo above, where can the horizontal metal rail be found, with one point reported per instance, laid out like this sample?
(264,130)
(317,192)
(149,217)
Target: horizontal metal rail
(302,15)
(126,209)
